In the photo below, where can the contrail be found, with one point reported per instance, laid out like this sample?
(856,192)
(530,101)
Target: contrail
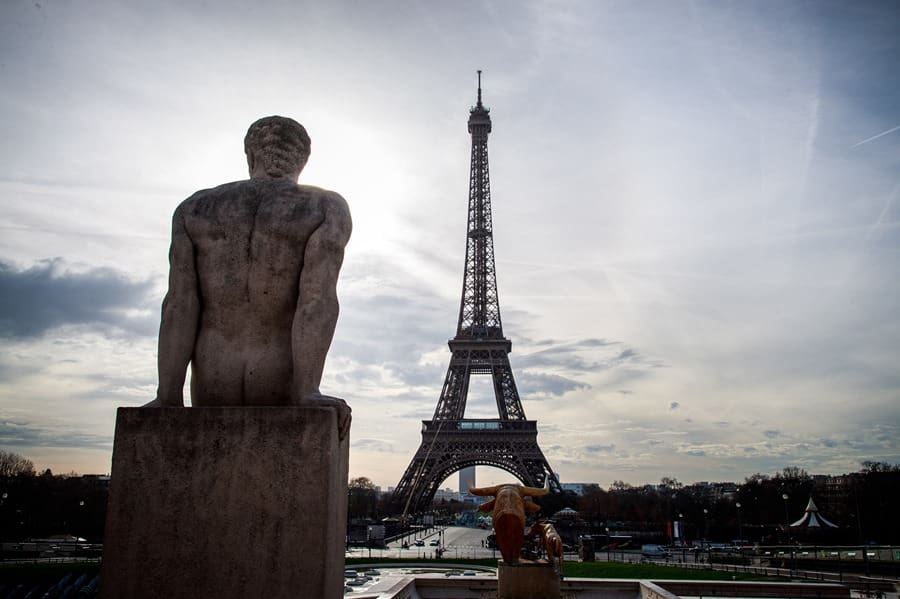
(874,137)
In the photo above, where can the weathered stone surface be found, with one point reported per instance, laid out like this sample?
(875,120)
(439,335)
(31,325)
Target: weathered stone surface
(226,503)
(254,264)
(527,580)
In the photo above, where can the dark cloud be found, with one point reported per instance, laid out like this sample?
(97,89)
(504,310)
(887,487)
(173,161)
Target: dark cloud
(47,296)
(390,331)
(540,342)
(395,326)
(600,448)
(21,433)
(566,355)
(543,386)
(597,342)
(674,405)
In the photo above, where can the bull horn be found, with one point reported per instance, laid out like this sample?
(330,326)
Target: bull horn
(484,490)
(535,492)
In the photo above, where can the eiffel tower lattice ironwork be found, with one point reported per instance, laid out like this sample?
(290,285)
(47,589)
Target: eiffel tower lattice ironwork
(450,441)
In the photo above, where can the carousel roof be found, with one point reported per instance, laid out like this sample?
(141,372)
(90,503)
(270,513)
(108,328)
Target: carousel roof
(812,518)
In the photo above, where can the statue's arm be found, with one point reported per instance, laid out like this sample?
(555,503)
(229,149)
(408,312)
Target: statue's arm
(317,304)
(180,317)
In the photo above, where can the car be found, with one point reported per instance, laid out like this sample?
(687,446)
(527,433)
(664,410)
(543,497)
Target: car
(419,543)
(435,543)
(654,551)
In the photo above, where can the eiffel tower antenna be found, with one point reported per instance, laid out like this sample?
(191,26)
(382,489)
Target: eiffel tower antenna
(479,88)
(450,441)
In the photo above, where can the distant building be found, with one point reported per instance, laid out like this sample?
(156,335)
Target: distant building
(466,479)
(447,494)
(579,488)
(99,479)
(707,491)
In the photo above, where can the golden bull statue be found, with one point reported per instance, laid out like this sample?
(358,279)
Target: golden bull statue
(509,506)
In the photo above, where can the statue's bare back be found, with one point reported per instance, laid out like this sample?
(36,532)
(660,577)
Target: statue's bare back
(253,269)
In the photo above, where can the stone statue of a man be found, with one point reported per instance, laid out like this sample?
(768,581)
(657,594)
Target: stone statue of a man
(253,267)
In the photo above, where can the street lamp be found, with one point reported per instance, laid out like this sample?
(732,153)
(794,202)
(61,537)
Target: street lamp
(740,527)
(705,525)
(787,529)
(608,543)
(81,524)
(787,519)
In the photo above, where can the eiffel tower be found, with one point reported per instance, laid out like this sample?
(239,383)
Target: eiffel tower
(450,441)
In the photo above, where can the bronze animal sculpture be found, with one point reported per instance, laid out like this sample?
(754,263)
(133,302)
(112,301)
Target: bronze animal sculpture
(550,541)
(509,506)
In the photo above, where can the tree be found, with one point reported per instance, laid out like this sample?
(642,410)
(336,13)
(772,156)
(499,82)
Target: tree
(12,464)
(871,466)
(362,500)
(756,479)
(554,502)
(670,483)
(792,473)
(362,482)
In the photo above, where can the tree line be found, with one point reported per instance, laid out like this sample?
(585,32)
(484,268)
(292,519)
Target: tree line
(862,504)
(755,510)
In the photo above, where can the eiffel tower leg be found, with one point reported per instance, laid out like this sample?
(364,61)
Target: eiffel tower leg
(408,494)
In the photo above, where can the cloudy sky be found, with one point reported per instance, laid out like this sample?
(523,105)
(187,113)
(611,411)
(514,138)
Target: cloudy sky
(697,223)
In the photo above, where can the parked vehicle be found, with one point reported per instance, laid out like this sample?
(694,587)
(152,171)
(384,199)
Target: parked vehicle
(654,551)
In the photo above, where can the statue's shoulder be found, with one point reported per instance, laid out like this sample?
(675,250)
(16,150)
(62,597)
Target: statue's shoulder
(206,201)
(225,189)
(331,201)
(320,192)
(333,207)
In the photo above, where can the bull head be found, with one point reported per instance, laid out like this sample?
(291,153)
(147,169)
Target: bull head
(509,506)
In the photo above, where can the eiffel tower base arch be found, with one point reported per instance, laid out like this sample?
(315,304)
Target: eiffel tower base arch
(451,445)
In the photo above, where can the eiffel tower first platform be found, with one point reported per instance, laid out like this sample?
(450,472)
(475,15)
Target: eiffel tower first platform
(450,441)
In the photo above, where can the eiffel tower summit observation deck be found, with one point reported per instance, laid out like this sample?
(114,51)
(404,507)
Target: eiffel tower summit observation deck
(450,441)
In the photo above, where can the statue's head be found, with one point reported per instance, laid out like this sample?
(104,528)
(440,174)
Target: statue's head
(276,147)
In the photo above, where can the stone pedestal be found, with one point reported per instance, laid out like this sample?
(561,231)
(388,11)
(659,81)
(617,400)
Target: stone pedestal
(527,580)
(226,503)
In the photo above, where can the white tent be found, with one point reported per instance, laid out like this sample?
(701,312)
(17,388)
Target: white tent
(812,518)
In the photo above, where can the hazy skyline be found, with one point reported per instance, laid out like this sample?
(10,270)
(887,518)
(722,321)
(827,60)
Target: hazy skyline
(696,219)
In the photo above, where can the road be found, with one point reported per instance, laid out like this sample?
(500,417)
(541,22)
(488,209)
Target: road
(457,542)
